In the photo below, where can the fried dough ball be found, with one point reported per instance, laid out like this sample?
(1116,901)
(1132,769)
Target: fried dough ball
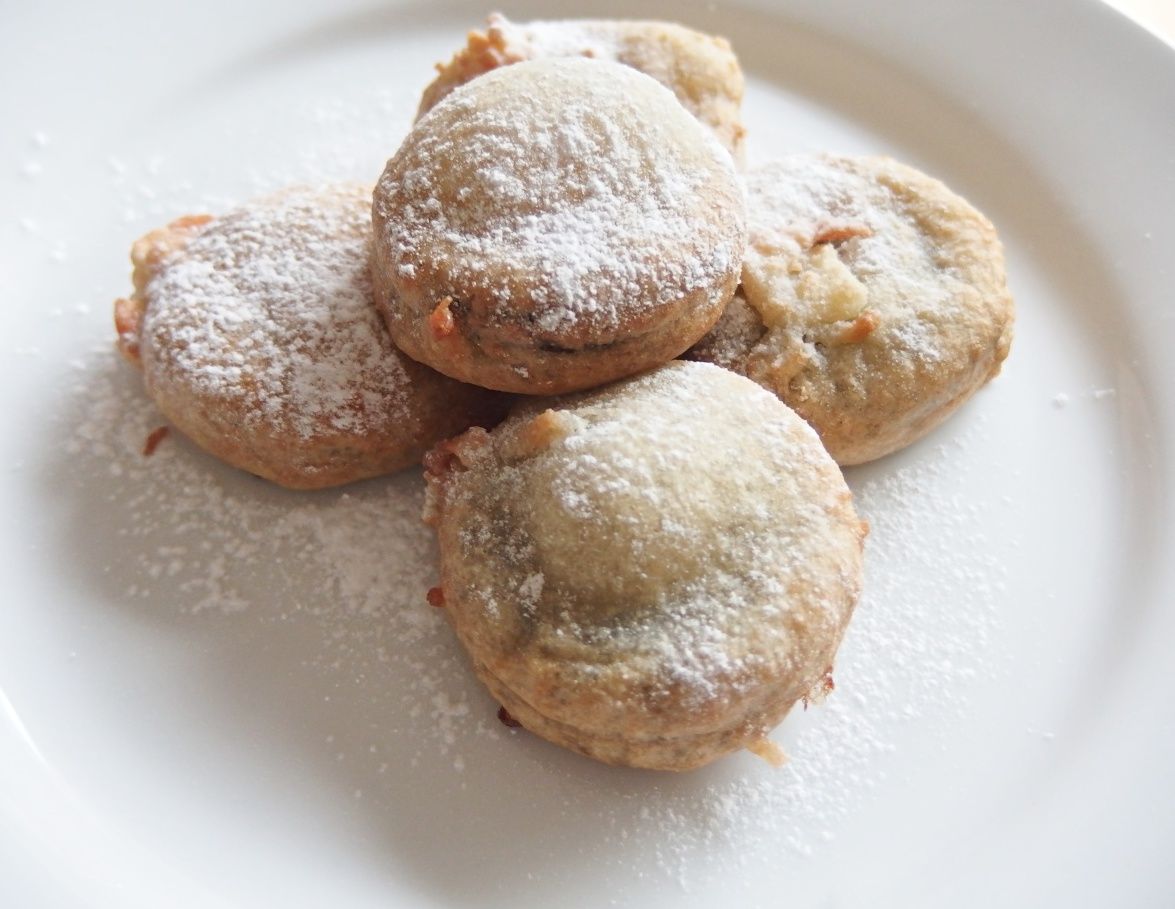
(258,339)
(554,225)
(700,69)
(651,573)
(874,300)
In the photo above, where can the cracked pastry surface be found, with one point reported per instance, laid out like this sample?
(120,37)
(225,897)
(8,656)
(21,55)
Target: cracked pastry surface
(701,70)
(874,300)
(651,573)
(258,338)
(554,225)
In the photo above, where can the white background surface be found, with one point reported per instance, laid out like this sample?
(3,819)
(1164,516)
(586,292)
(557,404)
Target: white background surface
(1156,15)
(1003,727)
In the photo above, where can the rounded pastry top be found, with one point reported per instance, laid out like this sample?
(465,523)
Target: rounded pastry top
(258,336)
(876,299)
(561,203)
(670,556)
(866,235)
(269,306)
(701,70)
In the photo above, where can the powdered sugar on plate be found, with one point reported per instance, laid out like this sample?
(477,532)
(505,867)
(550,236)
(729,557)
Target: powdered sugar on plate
(411,732)
(208,543)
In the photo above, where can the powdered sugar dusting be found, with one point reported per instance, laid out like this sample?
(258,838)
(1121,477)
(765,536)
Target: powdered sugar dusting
(267,312)
(418,735)
(895,268)
(921,640)
(355,564)
(573,192)
(680,571)
(877,300)
(199,539)
(559,38)
(700,69)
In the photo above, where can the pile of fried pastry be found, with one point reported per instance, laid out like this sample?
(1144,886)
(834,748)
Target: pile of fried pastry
(632,369)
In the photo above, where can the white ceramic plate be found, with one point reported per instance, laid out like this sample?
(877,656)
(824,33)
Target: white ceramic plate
(219,694)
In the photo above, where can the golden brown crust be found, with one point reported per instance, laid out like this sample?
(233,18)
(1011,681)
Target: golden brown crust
(483,52)
(877,300)
(701,70)
(650,574)
(147,256)
(476,349)
(732,338)
(258,339)
(507,256)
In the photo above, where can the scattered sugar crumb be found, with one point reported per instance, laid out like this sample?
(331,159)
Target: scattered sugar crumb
(356,563)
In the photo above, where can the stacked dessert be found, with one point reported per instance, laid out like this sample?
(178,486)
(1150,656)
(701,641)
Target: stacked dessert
(632,371)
